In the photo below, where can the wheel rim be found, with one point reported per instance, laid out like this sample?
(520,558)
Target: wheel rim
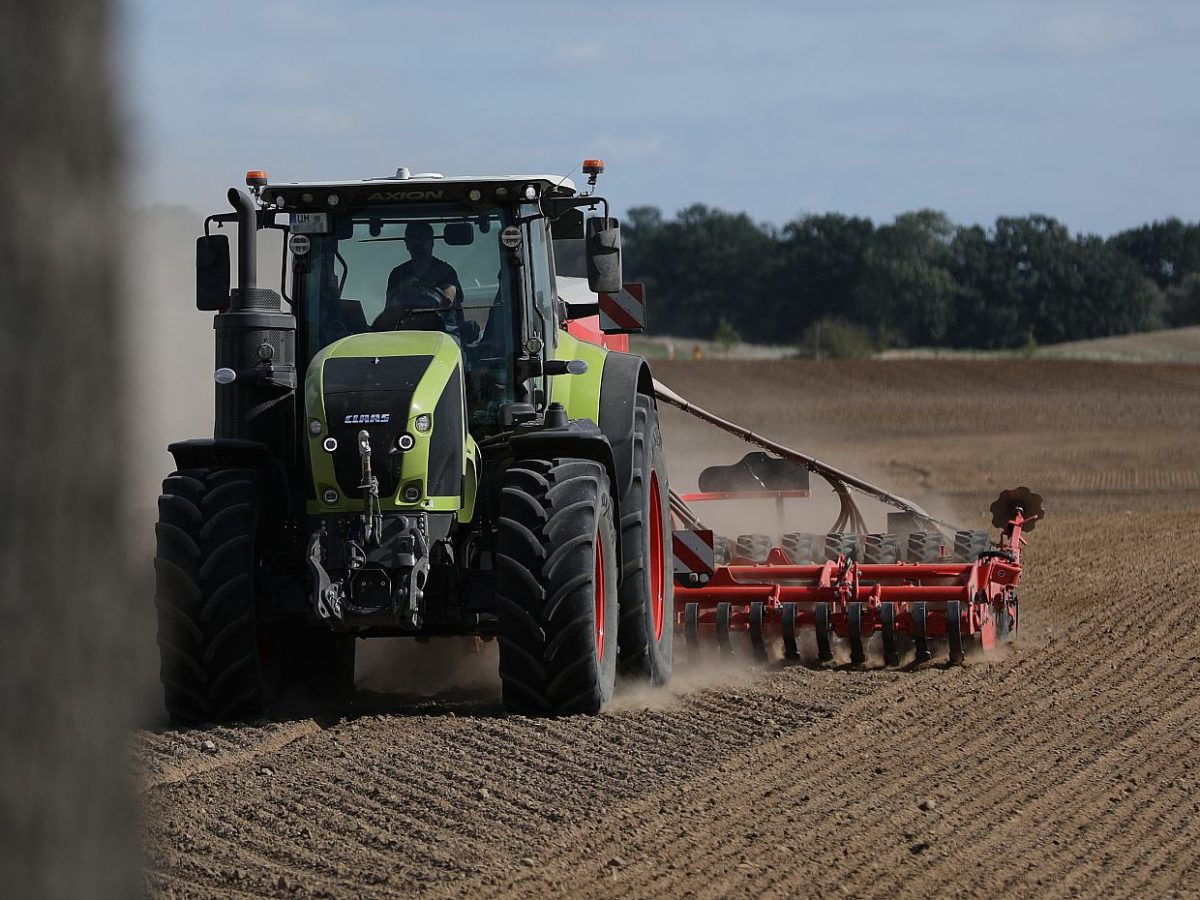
(658,586)
(598,595)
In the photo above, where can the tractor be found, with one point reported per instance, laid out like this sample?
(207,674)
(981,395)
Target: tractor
(411,440)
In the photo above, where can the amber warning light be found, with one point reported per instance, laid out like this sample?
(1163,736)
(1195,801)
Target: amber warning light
(593,168)
(256,178)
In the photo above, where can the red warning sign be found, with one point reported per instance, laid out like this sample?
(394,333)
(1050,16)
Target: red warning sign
(624,313)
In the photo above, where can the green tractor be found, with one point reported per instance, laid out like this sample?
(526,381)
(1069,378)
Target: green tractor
(411,439)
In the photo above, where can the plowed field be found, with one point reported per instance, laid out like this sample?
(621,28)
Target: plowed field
(1066,765)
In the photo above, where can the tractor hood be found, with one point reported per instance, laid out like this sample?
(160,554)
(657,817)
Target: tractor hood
(405,390)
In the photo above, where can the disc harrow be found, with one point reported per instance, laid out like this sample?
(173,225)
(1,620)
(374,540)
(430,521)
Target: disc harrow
(930,587)
(746,605)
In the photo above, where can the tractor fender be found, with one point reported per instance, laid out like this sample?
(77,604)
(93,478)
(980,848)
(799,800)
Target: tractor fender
(625,376)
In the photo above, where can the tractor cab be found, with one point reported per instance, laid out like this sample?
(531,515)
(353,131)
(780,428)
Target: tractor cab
(468,257)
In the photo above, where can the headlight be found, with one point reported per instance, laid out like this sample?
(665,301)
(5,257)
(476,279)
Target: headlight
(423,422)
(314,426)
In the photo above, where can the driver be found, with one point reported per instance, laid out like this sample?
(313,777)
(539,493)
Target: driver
(424,284)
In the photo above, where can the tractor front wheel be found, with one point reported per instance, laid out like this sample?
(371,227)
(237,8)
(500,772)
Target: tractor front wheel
(556,588)
(205,596)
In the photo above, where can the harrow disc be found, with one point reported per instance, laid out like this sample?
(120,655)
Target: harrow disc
(691,628)
(791,647)
(757,644)
(724,615)
(920,641)
(954,630)
(854,633)
(821,628)
(887,623)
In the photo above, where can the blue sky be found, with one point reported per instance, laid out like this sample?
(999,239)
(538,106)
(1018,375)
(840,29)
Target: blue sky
(1087,111)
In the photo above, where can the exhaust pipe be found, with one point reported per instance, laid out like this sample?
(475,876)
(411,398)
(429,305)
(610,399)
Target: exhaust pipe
(256,341)
(247,280)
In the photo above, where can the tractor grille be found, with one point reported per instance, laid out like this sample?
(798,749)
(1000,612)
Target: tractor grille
(370,386)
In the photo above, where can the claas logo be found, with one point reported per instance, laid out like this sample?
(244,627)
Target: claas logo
(368,419)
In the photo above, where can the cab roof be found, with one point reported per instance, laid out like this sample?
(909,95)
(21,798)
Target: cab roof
(417,188)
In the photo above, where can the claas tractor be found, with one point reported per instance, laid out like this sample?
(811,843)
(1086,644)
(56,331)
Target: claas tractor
(410,440)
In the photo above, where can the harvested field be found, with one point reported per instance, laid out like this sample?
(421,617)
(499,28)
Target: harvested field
(1066,765)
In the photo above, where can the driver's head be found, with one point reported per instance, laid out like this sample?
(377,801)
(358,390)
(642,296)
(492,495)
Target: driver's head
(418,238)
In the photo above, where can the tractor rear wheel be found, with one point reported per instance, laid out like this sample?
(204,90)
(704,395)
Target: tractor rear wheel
(556,588)
(645,636)
(205,596)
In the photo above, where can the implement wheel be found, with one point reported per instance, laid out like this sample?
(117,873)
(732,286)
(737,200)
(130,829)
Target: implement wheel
(925,547)
(840,543)
(647,598)
(881,549)
(556,588)
(755,547)
(969,544)
(804,549)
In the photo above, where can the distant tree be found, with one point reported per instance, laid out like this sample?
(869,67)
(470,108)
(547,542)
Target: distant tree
(906,288)
(1166,252)
(820,261)
(1183,302)
(704,265)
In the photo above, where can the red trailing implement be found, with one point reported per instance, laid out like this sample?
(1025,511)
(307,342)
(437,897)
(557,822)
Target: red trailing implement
(912,586)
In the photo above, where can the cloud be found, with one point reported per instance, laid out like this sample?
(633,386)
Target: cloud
(1087,34)
(574,54)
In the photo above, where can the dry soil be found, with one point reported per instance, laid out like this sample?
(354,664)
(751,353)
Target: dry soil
(1066,765)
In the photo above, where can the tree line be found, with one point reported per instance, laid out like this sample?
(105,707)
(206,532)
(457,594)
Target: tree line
(920,280)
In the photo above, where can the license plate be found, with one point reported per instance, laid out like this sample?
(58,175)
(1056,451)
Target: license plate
(310,223)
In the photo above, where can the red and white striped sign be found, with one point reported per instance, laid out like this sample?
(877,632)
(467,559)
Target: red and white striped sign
(624,313)
(693,552)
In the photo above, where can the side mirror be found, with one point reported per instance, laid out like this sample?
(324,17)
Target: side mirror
(212,272)
(603,242)
(568,226)
(458,234)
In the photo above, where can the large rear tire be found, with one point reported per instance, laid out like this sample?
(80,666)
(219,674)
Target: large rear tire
(556,588)
(647,598)
(205,596)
